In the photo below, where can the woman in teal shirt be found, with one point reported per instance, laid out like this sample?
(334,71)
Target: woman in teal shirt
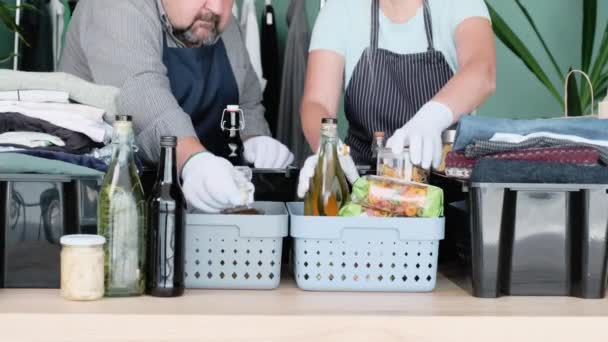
(410,68)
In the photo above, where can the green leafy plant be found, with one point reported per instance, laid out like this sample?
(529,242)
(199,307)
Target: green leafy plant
(579,100)
(7,18)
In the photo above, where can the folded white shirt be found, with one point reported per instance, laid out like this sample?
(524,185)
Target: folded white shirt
(31,139)
(81,91)
(35,96)
(517,138)
(75,117)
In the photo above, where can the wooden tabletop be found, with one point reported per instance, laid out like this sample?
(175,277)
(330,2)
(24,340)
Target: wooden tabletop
(289,314)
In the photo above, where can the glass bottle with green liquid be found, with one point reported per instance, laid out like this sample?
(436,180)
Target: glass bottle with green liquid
(328,190)
(121,217)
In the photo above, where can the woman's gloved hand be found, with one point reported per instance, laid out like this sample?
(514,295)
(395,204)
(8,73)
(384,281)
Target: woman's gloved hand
(308,170)
(267,153)
(211,184)
(423,134)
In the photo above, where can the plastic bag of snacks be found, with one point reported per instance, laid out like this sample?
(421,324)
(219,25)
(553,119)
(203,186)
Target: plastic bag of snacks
(356,210)
(398,198)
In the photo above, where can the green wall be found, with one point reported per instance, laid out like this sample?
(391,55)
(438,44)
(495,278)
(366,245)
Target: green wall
(518,93)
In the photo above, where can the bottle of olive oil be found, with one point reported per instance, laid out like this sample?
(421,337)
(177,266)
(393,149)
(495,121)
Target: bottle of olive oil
(121,217)
(328,190)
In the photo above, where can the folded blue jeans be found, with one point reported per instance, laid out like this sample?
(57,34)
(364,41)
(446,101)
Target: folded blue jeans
(483,128)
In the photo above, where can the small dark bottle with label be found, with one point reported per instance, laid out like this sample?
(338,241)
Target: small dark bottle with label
(165,248)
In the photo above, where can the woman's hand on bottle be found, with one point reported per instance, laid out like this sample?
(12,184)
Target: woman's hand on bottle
(308,170)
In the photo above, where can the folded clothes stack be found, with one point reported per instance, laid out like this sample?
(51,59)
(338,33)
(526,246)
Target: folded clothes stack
(532,143)
(47,130)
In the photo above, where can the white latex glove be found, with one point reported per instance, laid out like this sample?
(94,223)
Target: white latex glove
(423,134)
(267,153)
(211,184)
(308,170)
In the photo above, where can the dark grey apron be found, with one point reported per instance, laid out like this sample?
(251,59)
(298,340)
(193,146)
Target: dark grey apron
(203,83)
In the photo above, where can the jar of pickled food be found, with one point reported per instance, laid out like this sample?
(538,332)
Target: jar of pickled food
(82,267)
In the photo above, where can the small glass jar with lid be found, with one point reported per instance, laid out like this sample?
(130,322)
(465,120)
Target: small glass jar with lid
(399,166)
(82,267)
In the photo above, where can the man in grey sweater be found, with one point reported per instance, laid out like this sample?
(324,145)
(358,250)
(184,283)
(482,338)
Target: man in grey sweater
(178,64)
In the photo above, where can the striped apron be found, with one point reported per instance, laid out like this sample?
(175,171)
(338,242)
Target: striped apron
(387,89)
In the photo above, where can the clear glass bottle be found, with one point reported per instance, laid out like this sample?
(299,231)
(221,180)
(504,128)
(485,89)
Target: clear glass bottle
(377,145)
(165,269)
(121,217)
(328,189)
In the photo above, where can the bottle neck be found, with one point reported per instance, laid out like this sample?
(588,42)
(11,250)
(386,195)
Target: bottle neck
(379,142)
(167,170)
(123,140)
(329,135)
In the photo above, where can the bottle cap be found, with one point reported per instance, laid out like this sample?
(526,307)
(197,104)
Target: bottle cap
(168,141)
(378,134)
(233,108)
(124,118)
(82,240)
(329,121)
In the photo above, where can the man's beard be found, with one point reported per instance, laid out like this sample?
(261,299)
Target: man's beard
(188,37)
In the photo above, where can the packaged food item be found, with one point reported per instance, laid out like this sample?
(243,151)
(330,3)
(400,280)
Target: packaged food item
(357,210)
(400,198)
(82,267)
(399,166)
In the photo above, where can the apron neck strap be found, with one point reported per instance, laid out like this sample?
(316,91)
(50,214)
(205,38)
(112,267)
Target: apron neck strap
(375,27)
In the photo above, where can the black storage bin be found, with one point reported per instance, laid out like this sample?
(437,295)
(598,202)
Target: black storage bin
(538,239)
(35,211)
(276,185)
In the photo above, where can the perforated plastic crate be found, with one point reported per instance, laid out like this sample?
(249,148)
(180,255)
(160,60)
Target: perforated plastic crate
(365,254)
(236,251)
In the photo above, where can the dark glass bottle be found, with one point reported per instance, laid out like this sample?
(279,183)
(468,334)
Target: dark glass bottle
(232,124)
(165,250)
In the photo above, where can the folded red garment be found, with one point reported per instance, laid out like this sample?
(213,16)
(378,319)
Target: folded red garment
(587,156)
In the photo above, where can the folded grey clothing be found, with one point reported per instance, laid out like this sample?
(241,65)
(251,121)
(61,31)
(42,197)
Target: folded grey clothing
(81,91)
(510,171)
(480,148)
(75,142)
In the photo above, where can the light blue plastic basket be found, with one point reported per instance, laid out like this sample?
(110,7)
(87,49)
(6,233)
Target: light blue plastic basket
(365,254)
(236,251)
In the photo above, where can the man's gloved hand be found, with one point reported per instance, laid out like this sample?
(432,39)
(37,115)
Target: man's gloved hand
(423,134)
(211,184)
(267,153)
(308,170)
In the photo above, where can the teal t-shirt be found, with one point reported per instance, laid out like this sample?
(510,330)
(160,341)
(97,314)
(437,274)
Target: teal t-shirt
(344,26)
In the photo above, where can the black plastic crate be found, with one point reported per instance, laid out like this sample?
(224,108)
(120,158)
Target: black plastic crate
(538,239)
(35,211)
